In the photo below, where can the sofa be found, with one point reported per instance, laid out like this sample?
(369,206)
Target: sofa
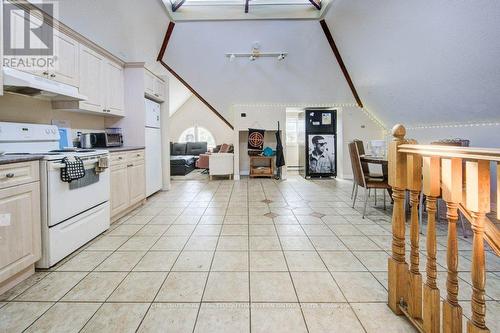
(183,156)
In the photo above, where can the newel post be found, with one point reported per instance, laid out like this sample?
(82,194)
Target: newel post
(397,265)
(478,202)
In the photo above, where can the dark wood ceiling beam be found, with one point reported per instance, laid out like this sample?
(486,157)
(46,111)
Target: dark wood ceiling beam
(316,4)
(336,52)
(166,39)
(246,6)
(176,5)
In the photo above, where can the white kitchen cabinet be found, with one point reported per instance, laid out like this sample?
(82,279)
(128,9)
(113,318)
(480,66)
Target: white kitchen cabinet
(20,230)
(66,66)
(128,181)
(155,88)
(91,79)
(114,78)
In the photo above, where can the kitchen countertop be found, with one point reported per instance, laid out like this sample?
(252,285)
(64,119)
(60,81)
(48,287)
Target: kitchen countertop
(7,159)
(123,148)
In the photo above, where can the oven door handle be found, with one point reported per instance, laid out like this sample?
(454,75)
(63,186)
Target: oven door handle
(85,164)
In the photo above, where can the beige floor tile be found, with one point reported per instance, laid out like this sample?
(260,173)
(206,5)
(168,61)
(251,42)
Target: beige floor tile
(346,230)
(65,318)
(208,219)
(359,243)
(170,243)
(180,230)
(125,230)
(165,220)
(227,287)
(236,219)
(52,287)
(138,243)
(223,318)
(117,317)
(193,261)
(328,317)
(138,287)
(327,243)
(159,261)
(270,261)
(95,287)
(377,317)
(139,219)
(277,318)
(230,261)
(271,287)
(264,243)
(233,243)
(262,230)
(234,230)
(201,243)
(316,287)
(360,287)
(207,230)
(182,287)
(187,219)
(152,230)
(289,230)
(108,243)
(260,220)
(121,261)
(85,261)
(296,243)
(17,316)
(375,261)
(317,230)
(285,220)
(341,261)
(21,287)
(304,261)
(170,318)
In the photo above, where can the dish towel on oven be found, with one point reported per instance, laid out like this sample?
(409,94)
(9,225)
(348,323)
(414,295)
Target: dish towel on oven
(73,169)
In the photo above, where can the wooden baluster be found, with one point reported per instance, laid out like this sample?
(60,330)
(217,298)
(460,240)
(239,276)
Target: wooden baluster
(478,203)
(414,178)
(431,187)
(397,266)
(451,175)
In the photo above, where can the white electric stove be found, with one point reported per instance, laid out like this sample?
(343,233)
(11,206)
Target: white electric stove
(72,213)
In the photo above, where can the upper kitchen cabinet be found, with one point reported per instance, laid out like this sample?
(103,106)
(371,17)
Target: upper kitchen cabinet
(92,66)
(154,87)
(66,65)
(114,78)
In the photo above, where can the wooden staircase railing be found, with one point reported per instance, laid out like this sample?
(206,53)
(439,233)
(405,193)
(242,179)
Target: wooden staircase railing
(439,172)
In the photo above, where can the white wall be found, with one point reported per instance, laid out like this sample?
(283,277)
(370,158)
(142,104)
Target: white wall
(194,112)
(16,108)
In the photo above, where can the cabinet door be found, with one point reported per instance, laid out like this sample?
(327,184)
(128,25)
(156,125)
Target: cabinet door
(119,189)
(149,82)
(137,182)
(66,68)
(114,89)
(20,233)
(160,88)
(91,79)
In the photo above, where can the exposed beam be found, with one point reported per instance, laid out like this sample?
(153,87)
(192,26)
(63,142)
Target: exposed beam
(335,50)
(246,6)
(178,77)
(164,45)
(316,4)
(176,5)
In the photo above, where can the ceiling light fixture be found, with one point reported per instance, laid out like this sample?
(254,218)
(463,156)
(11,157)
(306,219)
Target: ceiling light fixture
(281,56)
(256,53)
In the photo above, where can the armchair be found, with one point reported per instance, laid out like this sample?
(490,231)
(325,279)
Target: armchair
(221,164)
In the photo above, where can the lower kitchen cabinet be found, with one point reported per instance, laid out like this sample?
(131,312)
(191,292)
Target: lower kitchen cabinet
(20,224)
(128,182)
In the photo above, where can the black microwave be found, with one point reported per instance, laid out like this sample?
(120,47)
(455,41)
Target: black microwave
(105,140)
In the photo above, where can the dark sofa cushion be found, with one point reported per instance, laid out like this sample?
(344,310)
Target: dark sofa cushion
(196,148)
(182,160)
(178,149)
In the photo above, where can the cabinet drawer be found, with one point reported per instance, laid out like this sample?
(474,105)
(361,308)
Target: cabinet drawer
(18,173)
(116,159)
(135,156)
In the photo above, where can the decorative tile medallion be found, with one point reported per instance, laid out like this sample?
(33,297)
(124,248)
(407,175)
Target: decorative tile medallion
(271,215)
(267,201)
(316,214)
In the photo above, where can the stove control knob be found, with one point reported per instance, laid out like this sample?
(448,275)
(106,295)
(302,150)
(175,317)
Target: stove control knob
(47,131)
(53,131)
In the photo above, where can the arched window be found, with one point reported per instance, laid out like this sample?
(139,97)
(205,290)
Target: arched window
(197,134)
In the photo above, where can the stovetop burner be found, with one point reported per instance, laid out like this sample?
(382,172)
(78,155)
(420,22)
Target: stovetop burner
(72,150)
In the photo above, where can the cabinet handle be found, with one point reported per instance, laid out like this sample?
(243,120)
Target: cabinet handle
(138,155)
(130,165)
(45,73)
(10,175)
(120,158)
(52,75)
(157,95)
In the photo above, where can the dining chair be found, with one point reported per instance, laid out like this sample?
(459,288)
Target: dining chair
(366,169)
(362,179)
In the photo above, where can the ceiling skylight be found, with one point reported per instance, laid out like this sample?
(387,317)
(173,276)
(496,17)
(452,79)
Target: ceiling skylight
(182,10)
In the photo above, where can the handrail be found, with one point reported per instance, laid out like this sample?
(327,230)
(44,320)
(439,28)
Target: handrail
(485,154)
(491,232)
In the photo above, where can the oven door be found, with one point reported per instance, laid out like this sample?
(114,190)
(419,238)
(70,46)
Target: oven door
(65,200)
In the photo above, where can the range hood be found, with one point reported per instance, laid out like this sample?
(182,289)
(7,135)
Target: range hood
(18,82)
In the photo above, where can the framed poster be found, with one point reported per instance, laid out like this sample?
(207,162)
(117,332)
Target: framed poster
(321,154)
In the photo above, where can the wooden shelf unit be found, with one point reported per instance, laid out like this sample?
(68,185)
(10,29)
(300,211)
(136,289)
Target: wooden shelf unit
(261,166)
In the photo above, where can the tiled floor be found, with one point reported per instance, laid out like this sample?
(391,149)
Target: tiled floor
(233,256)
